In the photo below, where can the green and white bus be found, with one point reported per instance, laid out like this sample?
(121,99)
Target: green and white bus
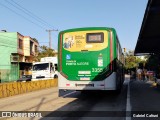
(90,59)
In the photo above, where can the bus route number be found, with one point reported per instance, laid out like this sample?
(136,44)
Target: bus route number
(97,70)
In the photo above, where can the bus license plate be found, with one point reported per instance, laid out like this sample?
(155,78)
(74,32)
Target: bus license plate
(84,78)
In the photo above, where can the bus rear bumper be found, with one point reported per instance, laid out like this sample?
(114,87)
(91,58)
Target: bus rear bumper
(107,84)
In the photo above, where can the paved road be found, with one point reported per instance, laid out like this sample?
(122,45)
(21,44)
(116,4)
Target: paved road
(136,96)
(145,100)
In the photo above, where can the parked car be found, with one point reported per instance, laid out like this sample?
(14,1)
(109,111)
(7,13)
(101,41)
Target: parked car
(25,78)
(150,72)
(151,75)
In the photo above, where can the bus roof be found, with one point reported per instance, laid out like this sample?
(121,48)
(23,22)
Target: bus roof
(88,28)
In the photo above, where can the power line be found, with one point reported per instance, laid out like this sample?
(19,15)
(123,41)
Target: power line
(30,14)
(43,42)
(7,36)
(21,16)
(8,40)
(34,15)
(16,5)
(12,44)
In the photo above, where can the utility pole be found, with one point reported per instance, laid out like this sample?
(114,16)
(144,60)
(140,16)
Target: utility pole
(50,41)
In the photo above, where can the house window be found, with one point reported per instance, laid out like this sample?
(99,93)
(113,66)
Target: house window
(36,49)
(20,44)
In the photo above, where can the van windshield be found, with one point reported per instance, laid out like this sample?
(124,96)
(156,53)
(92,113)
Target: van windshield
(43,66)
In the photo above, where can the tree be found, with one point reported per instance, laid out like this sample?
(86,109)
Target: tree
(153,62)
(132,61)
(45,51)
(34,39)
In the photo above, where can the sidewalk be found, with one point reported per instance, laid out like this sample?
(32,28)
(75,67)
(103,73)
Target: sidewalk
(151,82)
(144,95)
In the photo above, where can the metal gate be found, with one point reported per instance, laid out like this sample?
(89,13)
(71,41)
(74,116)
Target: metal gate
(9,73)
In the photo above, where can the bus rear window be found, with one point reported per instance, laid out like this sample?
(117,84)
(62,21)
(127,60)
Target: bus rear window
(95,38)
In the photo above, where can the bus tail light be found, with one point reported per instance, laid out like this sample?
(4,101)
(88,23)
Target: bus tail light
(67,84)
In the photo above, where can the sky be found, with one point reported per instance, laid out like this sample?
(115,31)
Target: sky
(34,17)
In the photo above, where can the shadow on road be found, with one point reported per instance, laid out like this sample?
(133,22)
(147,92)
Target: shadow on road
(99,102)
(144,96)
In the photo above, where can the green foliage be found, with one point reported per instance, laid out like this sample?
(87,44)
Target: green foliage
(132,61)
(153,62)
(35,40)
(45,51)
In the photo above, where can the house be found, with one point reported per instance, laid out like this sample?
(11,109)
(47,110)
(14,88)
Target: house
(17,53)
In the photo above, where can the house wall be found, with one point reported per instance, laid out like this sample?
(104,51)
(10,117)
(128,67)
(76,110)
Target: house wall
(8,45)
(26,46)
